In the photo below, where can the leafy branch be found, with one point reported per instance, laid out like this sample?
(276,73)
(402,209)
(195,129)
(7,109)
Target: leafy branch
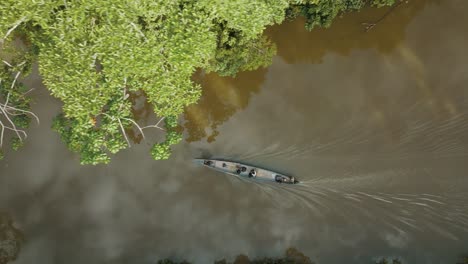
(14,109)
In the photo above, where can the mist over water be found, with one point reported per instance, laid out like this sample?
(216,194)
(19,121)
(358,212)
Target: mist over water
(374,124)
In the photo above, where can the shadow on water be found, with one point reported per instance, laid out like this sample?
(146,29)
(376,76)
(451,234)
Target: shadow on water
(10,239)
(346,34)
(222,97)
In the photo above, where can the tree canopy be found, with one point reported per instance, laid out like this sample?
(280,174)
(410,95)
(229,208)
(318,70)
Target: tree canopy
(93,54)
(320,13)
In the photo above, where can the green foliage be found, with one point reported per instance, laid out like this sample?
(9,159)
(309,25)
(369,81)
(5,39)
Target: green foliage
(381,3)
(16,143)
(14,103)
(92,54)
(170,122)
(94,143)
(320,13)
(246,16)
(162,151)
(236,53)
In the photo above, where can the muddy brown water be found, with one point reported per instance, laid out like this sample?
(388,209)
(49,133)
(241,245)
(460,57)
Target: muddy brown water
(374,123)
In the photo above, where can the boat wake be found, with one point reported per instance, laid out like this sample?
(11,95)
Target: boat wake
(444,215)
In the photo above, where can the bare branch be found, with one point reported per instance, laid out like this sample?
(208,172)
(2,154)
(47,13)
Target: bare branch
(8,64)
(13,28)
(123,132)
(11,122)
(1,134)
(19,130)
(21,64)
(139,128)
(12,129)
(369,26)
(30,90)
(156,125)
(5,107)
(11,88)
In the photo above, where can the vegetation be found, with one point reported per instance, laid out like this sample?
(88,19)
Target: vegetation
(292,256)
(321,13)
(92,55)
(10,240)
(15,108)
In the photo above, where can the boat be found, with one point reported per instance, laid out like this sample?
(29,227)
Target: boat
(247,171)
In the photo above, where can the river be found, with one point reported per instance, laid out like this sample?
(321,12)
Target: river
(374,123)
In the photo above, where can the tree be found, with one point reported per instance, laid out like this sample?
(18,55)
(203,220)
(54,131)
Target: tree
(321,13)
(15,114)
(291,256)
(92,54)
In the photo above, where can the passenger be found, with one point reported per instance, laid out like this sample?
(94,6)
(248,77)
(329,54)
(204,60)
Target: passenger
(238,171)
(278,179)
(252,173)
(208,162)
(224,165)
(244,168)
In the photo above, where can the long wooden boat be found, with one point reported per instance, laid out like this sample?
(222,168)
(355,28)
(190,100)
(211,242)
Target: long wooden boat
(247,171)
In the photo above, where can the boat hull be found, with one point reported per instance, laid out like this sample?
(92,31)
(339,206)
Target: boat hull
(247,171)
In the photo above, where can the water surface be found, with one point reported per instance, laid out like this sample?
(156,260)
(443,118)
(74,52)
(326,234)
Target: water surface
(374,123)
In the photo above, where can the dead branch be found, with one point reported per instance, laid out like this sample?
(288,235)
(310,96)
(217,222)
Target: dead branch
(13,28)
(123,132)
(156,125)
(135,123)
(368,26)
(17,131)
(11,88)
(12,124)
(8,111)
(121,127)
(6,107)
(1,134)
(8,64)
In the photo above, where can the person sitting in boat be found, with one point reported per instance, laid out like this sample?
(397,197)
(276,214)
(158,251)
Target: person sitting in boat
(252,173)
(208,162)
(278,179)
